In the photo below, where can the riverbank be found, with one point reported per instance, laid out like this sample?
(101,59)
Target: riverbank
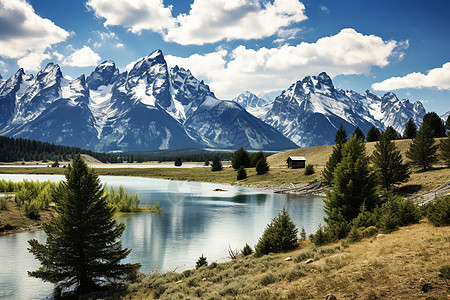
(383,267)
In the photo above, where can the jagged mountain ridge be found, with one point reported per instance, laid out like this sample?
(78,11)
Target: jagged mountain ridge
(311,110)
(149,107)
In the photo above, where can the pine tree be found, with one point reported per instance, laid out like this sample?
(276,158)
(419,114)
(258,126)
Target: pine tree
(353,183)
(201,262)
(436,124)
(255,157)
(444,147)
(240,158)
(358,132)
(83,249)
(447,124)
(391,133)
(262,167)
(422,150)
(341,136)
(373,134)
(333,161)
(388,163)
(410,130)
(241,173)
(216,164)
(280,235)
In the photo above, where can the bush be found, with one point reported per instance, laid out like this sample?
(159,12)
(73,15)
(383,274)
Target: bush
(444,272)
(268,279)
(309,169)
(247,250)
(201,262)
(354,235)
(33,209)
(280,235)
(178,162)
(320,237)
(369,231)
(241,173)
(438,211)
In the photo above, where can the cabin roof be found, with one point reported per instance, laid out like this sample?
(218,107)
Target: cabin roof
(296,158)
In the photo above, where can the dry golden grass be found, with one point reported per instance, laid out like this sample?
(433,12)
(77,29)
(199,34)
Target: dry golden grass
(14,218)
(377,268)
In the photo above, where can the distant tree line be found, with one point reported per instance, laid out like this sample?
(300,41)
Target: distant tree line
(18,149)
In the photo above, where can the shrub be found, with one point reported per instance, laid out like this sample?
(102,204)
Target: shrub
(241,173)
(247,250)
(268,279)
(354,235)
(33,209)
(438,211)
(369,231)
(178,162)
(303,234)
(320,237)
(444,272)
(309,169)
(280,235)
(3,204)
(201,262)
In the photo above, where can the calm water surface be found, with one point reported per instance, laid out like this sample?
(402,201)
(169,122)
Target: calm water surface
(196,220)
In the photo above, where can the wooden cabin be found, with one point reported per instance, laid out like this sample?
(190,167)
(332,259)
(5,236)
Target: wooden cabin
(296,162)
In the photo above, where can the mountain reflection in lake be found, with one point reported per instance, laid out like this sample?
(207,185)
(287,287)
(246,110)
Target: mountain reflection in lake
(196,220)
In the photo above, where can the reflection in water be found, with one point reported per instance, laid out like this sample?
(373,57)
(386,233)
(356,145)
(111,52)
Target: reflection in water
(198,218)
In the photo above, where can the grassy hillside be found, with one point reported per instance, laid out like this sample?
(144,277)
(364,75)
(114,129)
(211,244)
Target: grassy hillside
(386,267)
(319,155)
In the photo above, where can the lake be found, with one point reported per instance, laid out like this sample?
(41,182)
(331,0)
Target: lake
(196,220)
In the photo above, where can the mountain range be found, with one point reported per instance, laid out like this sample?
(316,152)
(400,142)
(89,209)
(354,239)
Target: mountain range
(153,107)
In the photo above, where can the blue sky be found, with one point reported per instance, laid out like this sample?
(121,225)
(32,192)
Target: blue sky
(401,46)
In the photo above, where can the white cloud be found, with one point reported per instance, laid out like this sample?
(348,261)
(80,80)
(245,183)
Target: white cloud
(107,39)
(58,56)
(83,57)
(271,69)
(26,36)
(32,61)
(3,67)
(436,78)
(207,21)
(136,15)
(213,21)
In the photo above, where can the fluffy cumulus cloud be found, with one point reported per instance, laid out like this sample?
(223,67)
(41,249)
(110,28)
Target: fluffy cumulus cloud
(271,69)
(136,15)
(26,36)
(213,21)
(83,57)
(207,21)
(436,78)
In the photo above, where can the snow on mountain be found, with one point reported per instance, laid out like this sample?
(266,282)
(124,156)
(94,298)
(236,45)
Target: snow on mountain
(151,107)
(253,104)
(445,116)
(311,110)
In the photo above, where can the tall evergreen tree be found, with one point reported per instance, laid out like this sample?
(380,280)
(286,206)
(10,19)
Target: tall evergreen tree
(255,157)
(410,130)
(216,164)
(373,134)
(240,158)
(444,146)
(335,157)
(422,150)
(391,133)
(83,248)
(435,123)
(359,133)
(241,173)
(341,136)
(388,163)
(262,166)
(354,183)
